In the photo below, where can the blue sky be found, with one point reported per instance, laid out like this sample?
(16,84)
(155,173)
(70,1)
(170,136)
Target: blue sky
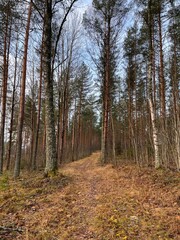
(86,1)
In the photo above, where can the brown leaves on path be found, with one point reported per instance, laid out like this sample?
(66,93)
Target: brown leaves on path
(89,201)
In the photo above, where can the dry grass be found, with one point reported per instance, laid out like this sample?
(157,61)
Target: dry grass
(88,201)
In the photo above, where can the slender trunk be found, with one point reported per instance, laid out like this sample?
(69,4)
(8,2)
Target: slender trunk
(58,114)
(113,140)
(22,98)
(154,71)
(58,123)
(65,108)
(134,127)
(155,135)
(150,95)
(130,127)
(162,92)
(161,73)
(60,108)
(176,96)
(64,121)
(73,140)
(12,107)
(33,125)
(44,142)
(104,147)
(106,97)
(79,147)
(4,92)
(39,109)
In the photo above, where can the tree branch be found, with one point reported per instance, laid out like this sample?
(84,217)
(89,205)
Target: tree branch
(34,5)
(60,30)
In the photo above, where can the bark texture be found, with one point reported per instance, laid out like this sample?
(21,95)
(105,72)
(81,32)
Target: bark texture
(51,158)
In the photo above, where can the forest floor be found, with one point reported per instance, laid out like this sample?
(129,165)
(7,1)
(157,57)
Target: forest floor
(89,201)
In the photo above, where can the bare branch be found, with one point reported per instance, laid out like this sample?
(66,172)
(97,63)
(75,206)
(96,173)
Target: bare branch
(60,30)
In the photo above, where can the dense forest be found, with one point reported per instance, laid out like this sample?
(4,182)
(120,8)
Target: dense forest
(89,119)
(78,77)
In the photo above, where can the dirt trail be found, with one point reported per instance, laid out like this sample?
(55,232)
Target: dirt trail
(103,203)
(90,185)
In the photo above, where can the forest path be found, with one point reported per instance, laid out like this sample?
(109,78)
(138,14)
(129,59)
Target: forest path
(89,201)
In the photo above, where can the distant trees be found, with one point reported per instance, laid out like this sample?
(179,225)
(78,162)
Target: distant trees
(103,25)
(141,108)
(84,120)
(148,86)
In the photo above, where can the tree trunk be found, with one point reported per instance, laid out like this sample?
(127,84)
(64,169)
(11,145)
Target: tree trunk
(161,73)
(64,119)
(150,95)
(39,108)
(33,122)
(106,95)
(73,140)
(22,98)
(65,107)
(12,107)
(155,135)
(51,157)
(113,140)
(4,92)
(175,92)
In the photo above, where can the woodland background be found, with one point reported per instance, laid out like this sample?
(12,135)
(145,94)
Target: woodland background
(76,78)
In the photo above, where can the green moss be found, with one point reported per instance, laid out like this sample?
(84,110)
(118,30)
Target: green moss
(4,182)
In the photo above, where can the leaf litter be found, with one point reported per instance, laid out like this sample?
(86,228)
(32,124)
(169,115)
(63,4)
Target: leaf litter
(89,201)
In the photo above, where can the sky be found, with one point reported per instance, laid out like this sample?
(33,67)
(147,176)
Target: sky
(83,5)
